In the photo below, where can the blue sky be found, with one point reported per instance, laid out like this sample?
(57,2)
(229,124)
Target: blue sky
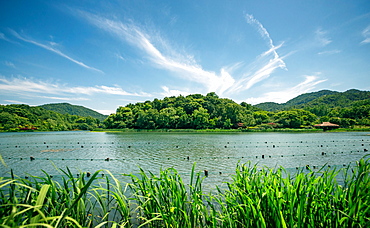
(106,54)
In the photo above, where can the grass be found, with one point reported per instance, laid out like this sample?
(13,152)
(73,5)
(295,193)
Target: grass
(255,197)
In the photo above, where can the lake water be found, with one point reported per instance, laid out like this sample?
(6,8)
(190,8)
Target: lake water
(218,153)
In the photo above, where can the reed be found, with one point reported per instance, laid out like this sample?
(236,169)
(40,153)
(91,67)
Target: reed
(255,197)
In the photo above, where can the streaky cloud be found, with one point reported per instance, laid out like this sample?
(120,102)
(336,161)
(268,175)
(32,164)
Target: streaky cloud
(283,95)
(331,52)
(56,51)
(322,37)
(264,65)
(184,66)
(366,35)
(21,85)
(167,92)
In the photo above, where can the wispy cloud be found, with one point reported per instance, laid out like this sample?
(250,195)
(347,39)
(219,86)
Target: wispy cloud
(284,95)
(54,50)
(24,85)
(14,102)
(9,64)
(184,65)
(167,92)
(3,37)
(265,64)
(366,35)
(321,37)
(331,52)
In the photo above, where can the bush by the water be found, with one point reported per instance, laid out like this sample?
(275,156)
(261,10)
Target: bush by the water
(255,197)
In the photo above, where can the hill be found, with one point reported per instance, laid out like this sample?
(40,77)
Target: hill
(66,108)
(326,98)
(15,117)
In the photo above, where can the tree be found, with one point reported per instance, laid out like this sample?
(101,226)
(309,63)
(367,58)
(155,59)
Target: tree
(201,118)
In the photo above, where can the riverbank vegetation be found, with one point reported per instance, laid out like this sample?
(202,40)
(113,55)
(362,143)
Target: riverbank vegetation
(350,109)
(254,197)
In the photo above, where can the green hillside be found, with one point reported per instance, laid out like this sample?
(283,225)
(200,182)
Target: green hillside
(16,117)
(66,108)
(323,98)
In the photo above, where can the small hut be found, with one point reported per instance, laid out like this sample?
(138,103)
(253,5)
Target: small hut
(326,126)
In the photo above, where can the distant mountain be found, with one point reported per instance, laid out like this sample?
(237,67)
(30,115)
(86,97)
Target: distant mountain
(321,98)
(66,108)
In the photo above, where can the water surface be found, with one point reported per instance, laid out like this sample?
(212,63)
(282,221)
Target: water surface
(218,153)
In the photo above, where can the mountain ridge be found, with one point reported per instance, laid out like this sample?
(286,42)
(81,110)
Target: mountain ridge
(67,108)
(322,97)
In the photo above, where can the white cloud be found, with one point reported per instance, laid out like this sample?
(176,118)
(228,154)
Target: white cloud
(163,56)
(265,64)
(22,85)
(173,92)
(105,111)
(321,37)
(14,101)
(9,64)
(331,52)
(183,65)
(366,35)
(56,51)
(283,96)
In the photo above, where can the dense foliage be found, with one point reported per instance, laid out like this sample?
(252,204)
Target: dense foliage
(255,197)
(197,111)
(327,98)
(65,108)
(211,112)
(23,117)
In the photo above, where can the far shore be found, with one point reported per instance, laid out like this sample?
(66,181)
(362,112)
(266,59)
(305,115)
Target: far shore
(243,130)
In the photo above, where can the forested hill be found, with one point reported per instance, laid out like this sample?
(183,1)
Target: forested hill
(197,111)
(323,98)
(16,117)
(66,108)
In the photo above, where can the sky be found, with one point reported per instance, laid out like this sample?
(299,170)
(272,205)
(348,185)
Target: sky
(106,54)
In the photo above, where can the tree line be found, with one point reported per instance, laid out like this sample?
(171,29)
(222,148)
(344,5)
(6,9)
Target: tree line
(211,112)
(194,111)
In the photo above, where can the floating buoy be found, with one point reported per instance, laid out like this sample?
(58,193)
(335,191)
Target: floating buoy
(82,146)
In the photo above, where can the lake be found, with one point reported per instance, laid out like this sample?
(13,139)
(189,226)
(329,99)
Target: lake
(84,151)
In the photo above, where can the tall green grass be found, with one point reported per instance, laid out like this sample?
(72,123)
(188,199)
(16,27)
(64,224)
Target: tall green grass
(255,197)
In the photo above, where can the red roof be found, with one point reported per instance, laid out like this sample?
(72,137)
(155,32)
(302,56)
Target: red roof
(326,124)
